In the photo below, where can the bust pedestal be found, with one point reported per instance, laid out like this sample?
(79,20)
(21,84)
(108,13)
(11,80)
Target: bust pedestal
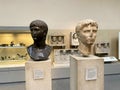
(38,75)
(86,73)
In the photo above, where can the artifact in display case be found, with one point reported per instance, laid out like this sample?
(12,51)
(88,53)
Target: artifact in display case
(73,39)
(86,32)
(62,56)
(39,50)
(13,54)
(57,40)
(102,49)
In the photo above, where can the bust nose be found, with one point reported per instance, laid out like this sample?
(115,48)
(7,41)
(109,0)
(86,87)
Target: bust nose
(91,33)
(34,32)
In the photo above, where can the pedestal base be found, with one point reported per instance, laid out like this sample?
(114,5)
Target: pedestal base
(86,73)
(38,75)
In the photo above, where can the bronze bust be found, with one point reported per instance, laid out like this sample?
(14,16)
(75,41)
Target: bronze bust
(39,50)
(86,32)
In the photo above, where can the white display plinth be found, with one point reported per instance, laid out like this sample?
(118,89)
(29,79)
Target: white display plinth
(86,73)
(38,75)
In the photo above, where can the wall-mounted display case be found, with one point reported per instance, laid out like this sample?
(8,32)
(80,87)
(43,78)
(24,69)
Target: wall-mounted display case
(102,49)
(57,40)
(13,55)
(62,56)
(73,39)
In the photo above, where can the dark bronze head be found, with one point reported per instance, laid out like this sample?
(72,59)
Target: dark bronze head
(38,30)
(39,50)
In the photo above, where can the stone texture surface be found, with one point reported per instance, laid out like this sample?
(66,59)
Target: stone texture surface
(78,67)
(42,71)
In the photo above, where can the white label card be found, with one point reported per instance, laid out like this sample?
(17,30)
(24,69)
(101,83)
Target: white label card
(91,73)
(38,74)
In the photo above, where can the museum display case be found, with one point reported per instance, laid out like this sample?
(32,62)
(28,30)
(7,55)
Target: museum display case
(73,40)
(13,55)
(102,49)
(57,40)
(13,45)
(62,56)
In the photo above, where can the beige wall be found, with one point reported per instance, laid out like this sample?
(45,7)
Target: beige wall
(60,14)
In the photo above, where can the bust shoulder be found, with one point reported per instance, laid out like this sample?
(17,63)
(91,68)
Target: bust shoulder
(39,54)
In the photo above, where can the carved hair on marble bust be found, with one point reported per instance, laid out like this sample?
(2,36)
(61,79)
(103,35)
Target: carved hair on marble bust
(39,50)
(86,32)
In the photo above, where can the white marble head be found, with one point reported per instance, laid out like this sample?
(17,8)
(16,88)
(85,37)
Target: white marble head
(86,32)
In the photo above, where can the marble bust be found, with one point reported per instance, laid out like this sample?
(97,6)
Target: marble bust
(86,32)
(39,50)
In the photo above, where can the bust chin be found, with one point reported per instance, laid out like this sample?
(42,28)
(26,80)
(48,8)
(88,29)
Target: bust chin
(84,50)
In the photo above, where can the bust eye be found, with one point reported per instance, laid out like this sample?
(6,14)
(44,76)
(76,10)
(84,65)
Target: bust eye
(94,31)
(34,29)
(86,31)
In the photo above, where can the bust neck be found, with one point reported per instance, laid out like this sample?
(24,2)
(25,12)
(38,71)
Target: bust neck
(39,44)
(85,50)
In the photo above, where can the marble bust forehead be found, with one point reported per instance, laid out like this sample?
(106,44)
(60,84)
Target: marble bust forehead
(85,23)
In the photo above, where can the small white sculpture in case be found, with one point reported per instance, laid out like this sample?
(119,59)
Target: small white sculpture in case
(62,56)
(74,39)
(57,40)
(102,49)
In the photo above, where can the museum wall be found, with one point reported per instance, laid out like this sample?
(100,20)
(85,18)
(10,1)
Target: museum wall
(60,14)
